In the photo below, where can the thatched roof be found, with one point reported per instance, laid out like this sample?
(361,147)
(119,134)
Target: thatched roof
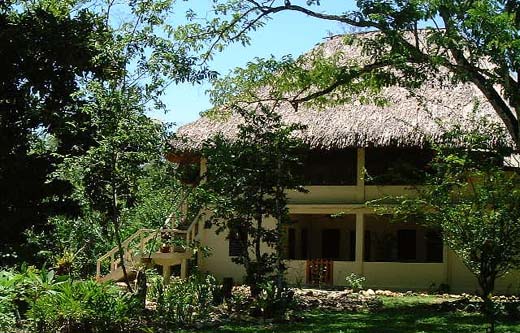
(406,121)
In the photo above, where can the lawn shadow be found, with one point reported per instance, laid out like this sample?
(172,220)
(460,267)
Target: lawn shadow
(398,318)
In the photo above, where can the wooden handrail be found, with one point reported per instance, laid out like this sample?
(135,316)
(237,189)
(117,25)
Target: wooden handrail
(128,252)
(144,236)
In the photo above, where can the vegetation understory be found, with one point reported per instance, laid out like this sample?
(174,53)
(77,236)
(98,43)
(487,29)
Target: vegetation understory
(40,301)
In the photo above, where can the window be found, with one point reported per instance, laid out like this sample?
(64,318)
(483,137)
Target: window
(336,167)
(434,251)
(237,241)
(305,244)
(387,241)
(291,239)
(396,166)
(407,245)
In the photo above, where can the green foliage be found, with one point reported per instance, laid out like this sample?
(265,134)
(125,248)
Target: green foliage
(273,303)
(7,316)
(79,78)
(45,53)
(43,302)
(460,37)
(354,281)
(247,180)
(78,242)
(184,302)
(473,199)
(71,245)
(20,290)
(83,306)
(8,295)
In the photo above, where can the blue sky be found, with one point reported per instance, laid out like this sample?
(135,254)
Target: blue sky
(287,33)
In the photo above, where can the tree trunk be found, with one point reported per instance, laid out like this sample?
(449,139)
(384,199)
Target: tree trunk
(279,232)
(115,222)
(486,281)
(121,253)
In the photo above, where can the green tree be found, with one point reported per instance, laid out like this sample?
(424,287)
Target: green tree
(466,41)
(247,179)
(120,149)
(473,198)
(46,51)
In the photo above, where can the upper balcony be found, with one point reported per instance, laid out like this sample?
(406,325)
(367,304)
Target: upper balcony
(355,176)
(346,176)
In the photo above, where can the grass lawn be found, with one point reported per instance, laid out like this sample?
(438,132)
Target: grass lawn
(399,315)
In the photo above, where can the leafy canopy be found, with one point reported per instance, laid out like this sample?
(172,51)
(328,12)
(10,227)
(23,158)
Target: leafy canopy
(473,199)
(247,180)
(466,41)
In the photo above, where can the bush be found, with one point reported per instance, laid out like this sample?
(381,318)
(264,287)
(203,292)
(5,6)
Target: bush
(19,290)
(184,302)
(84,306)
(354,281)
(7,315)
(271,303)
(8,294)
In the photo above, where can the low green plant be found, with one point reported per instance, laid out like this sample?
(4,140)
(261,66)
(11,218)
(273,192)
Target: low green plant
(238,303)
(355,282)
(8,295)
(184,302)
(19,290)
(7,315)
(85,306)
(272,303)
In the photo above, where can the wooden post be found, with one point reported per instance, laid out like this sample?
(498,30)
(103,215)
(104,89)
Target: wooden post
(360,167)
(112,263)
(184,268)
(167,272)
(98,270)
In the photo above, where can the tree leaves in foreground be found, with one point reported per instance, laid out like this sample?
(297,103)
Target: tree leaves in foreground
(466,41)
(126,147)
(472,197)
(46,51)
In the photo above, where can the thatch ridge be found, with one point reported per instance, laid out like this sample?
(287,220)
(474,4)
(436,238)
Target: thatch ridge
(407,121)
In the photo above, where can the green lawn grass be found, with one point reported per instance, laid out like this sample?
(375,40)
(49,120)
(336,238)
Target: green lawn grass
(399,315)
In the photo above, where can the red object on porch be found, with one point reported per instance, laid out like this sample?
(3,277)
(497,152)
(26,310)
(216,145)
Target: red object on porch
(319,271)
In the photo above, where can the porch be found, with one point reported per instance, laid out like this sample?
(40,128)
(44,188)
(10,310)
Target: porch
(325,248)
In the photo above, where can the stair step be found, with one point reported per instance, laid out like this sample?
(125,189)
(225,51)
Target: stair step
(117,275)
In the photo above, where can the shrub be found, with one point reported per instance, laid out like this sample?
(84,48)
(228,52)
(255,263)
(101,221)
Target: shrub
(85,306)
(7,315)
(7,298)
(272,303)
(354,281)
(184,302)
(19,290)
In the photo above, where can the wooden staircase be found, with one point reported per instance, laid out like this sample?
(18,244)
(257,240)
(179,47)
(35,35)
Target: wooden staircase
(144,249)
